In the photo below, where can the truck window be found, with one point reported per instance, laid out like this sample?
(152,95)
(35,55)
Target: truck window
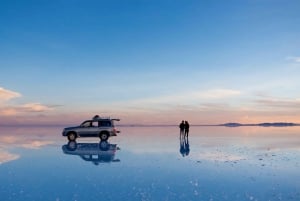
(104,123)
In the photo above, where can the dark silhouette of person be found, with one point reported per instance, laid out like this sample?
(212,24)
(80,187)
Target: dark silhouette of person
(181,126)
(186,128)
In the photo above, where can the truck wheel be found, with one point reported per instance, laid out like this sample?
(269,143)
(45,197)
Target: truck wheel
(72,136)
(104,136)
(103,145)
(72,146)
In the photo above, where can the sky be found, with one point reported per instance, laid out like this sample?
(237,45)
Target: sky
(149,62)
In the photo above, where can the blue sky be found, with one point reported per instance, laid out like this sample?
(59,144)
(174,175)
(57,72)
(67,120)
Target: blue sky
(155,61)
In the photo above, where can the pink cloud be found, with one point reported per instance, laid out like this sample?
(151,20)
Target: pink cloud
(280,103)
(6,95)
(6,157)
(35,107)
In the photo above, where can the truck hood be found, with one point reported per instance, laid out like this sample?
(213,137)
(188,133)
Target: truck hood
(71,128)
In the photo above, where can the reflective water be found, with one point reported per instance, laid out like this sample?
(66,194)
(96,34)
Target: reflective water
(152,163)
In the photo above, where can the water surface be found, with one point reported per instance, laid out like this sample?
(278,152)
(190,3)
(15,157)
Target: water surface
(152,163)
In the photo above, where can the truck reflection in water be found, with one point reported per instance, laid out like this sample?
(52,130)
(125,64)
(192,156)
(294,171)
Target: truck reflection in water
(102,152)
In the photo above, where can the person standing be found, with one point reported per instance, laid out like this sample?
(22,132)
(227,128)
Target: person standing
(186,128)
(182,126)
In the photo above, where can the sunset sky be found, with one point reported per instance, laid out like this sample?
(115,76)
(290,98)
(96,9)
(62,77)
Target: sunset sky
(149,62)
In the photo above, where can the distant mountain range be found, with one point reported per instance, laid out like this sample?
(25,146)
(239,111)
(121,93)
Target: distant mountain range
(275,124)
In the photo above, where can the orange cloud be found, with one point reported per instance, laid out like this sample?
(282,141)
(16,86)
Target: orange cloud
(8,111)
(24,109)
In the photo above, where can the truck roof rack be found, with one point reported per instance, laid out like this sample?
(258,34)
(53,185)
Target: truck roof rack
(97,117)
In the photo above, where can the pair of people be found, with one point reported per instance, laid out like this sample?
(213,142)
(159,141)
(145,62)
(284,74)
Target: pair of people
(184,128)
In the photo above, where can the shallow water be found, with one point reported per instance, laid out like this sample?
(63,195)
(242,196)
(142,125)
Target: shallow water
(152,163)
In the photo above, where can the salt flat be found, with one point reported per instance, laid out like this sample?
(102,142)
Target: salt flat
(152,163)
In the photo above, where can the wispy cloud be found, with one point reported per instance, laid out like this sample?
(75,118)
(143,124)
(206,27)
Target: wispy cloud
(25,108)
(7,108)
(189,97)
(36,107)
(219,93)
(6,95)
(293,59)
(279,103)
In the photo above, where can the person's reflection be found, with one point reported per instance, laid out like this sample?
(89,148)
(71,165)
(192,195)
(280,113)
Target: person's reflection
(102,152)
(184,145)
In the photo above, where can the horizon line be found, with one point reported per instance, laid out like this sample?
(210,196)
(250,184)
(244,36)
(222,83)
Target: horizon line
(228,124)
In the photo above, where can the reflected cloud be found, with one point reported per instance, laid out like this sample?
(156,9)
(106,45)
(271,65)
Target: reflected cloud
(138,150)
(219,156)
(279,145)
(8,142)
(102,152)
(36,144)
(6,156)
